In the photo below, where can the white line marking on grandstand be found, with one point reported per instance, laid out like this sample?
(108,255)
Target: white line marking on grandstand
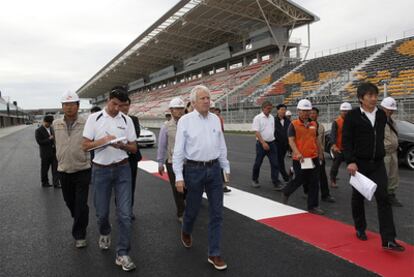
(245,203)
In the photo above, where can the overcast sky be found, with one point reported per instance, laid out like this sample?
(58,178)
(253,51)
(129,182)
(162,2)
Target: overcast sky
(49,47)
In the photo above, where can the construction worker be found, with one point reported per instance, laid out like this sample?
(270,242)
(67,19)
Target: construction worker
(74,166)
(166,142)
(306,155)
(336,141)
(391,149)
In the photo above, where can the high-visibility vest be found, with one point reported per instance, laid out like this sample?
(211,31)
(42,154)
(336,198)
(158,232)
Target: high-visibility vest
(340,124)
(306,138)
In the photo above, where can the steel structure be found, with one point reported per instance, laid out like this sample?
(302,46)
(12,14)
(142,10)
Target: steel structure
(189,28)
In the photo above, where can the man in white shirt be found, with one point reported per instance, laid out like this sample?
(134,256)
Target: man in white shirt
(264,127)
(111,170)
(200,150)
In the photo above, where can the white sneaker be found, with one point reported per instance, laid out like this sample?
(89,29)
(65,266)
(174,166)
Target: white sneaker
(104,242)
(126,262)
(80,243)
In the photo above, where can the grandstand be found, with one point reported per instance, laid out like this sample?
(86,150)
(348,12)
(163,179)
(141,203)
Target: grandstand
(11,114)
(243,55)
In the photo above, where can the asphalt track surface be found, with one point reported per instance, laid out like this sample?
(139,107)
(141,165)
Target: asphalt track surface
(36,240)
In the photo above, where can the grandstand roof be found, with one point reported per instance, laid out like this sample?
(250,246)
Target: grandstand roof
(189,28)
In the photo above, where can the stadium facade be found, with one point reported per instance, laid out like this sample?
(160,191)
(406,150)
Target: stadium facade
(243,51)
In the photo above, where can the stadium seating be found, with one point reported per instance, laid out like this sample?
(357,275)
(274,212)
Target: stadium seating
(395,66)
(312,75)
(154,103)
(295,80)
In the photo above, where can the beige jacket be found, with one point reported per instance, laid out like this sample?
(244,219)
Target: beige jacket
(171,132)
(390,139)
(71,158)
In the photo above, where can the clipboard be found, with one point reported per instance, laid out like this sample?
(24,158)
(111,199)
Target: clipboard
(307,164)
(108,143)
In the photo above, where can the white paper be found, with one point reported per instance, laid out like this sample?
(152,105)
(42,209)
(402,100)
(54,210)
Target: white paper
(307,164)
(364,185)
(108,143)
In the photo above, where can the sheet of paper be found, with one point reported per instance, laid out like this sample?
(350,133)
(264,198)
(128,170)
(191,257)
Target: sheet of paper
(108,143)
(307,164)
(364,185)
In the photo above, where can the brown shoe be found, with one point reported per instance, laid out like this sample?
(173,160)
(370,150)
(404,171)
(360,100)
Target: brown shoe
(186,240)
(217,262)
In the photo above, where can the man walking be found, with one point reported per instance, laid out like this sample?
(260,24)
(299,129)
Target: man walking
(264,127)
(306,155)
(389,105)
(336,141)
(166,142)
(73,165)
(323,180)
(113,136)
(363,141)
(200,151)
(45,137)
(282,143)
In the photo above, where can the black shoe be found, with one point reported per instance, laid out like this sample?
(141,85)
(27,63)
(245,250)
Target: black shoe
(278,186)
(329,199)
(132,216)
(394,201)
(46,185)
(361,235)
(316,210)
(393,246)
(255,184)
(57,186)
(226,189)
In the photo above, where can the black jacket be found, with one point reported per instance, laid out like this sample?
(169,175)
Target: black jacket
(46,145)
(281,132)
(137,155)
(360,140)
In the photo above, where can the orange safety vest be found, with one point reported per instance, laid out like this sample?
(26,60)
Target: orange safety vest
(340,123)
(305,138)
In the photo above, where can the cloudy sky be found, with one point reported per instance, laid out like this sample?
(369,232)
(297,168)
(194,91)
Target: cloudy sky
(49,47)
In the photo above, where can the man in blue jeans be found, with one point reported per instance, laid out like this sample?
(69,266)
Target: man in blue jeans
(112,134)
(264,128)
(200,149)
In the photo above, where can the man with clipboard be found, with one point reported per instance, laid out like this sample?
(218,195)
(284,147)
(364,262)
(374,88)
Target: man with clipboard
(306,155)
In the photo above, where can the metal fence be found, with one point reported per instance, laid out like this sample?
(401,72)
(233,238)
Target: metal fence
(327,112)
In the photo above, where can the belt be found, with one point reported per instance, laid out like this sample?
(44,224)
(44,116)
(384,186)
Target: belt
(202,163)
(124,161)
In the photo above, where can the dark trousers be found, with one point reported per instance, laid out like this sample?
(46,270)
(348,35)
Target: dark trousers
(323,182)
(281,153)
(308,178)
(75,190)
(133,163)
(198,179)
(377,173)
(46,163)
(271,155)
(178,197)
(338,159)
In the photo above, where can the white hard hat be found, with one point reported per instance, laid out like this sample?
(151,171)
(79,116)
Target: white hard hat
(69,97)
(304,105)
(389,103)
(345,107)
(288,113)
(176,102)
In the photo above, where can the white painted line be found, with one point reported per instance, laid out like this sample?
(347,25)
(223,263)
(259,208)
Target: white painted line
(148,166)
(242,202)
(254,206)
